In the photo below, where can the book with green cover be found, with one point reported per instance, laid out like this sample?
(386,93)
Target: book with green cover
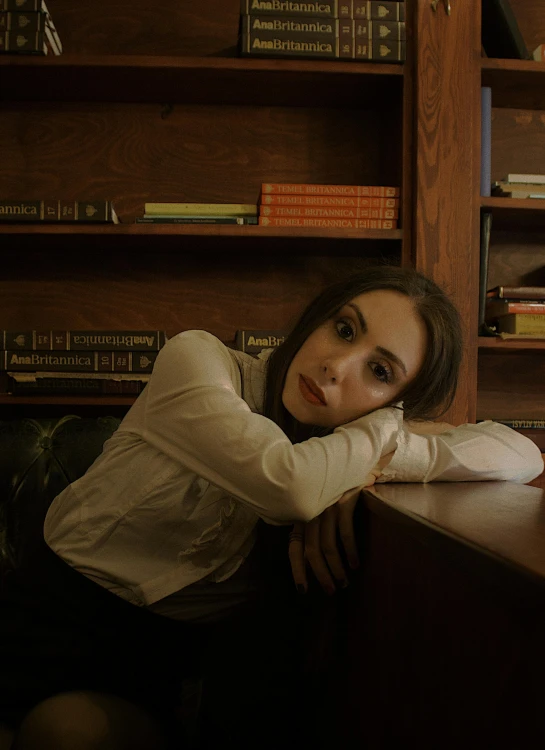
(200,209)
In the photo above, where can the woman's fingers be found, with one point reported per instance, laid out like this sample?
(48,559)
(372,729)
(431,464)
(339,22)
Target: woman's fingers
(346,531)
(296,552)
(329,544)
(314,554)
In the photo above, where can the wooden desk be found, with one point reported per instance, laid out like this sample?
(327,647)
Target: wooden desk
(441,636)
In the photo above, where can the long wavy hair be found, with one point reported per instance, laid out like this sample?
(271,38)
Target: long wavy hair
(428,395)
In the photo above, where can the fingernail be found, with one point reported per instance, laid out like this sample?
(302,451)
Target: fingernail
(344,584)
(301,588)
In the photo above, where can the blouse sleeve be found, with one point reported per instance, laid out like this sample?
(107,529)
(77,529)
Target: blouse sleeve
(193,413)
(468,453)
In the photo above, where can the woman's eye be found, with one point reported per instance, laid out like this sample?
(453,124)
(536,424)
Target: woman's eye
(345,329)
(382,373)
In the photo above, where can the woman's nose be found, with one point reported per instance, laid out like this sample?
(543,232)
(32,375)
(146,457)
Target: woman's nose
(336,368)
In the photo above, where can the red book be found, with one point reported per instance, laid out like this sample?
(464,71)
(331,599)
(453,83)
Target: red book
(329,212)
(284,221)
(495,308)
(330,201)
(285,188)
(517,293)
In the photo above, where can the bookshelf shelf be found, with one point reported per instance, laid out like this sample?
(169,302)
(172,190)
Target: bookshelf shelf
(197,80)
(510,212)
(490,345)
(8,400)
(516,84)
(107,231)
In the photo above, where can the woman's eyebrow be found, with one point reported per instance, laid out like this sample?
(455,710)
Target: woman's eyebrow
(385,352)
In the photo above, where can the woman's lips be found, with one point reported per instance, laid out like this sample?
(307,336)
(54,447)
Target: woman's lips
(311,392)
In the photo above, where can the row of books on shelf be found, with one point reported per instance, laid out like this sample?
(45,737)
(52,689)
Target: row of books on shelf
(27,28)
(89,362)
(347,29)
(57,211)
(514,185)
(329,206)
(81,362)
(279,204)
(520,186)
(515,311)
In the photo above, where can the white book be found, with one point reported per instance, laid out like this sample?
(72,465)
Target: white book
(536,179)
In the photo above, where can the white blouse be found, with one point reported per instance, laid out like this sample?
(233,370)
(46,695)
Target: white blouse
(176,494)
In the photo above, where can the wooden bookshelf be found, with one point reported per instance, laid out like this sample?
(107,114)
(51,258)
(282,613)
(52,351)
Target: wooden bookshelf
(147,105)
(510,213)
(516,84)
(197,80)
(491,345)
(511,373)
(193,231)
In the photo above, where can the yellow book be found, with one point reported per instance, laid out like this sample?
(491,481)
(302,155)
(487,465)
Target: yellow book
(522,323)
(200,209)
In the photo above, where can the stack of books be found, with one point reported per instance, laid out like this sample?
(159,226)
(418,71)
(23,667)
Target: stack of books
(516,312)
(199,213)
(329,206)
(77,362)
(338,29)
(53,211)
(520,186)
(27,28)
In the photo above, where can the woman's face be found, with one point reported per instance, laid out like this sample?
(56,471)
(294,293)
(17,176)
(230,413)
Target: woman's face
(358,361)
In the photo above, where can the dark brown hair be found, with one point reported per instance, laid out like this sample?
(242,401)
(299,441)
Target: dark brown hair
(429,394)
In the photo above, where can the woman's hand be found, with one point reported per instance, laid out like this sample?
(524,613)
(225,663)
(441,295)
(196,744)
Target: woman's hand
(316,542)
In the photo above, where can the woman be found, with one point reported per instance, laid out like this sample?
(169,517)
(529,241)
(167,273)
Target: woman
(155,542)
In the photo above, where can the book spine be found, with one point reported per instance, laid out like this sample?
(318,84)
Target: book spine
(522,324)
(500,33)
(53,39)
(517,293)
(23,5)
(523,424)
(378,191)
(313,8)
(329,201)
(57,211)
(390,51)
(276,221)
(381,30)
(526,179)
(280,35)
(323,212)
(486,140)
(200,209)
(381,11)
(24,43)
(142,341)
(254,341)
(29,23)
(70,361)
(362,9)
(270,44)
(539,53)
(484,250)
(496,310)
(75,386)
(196,220)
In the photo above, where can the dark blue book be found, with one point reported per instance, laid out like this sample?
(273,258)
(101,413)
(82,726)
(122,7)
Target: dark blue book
(486,140)
(500,33)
